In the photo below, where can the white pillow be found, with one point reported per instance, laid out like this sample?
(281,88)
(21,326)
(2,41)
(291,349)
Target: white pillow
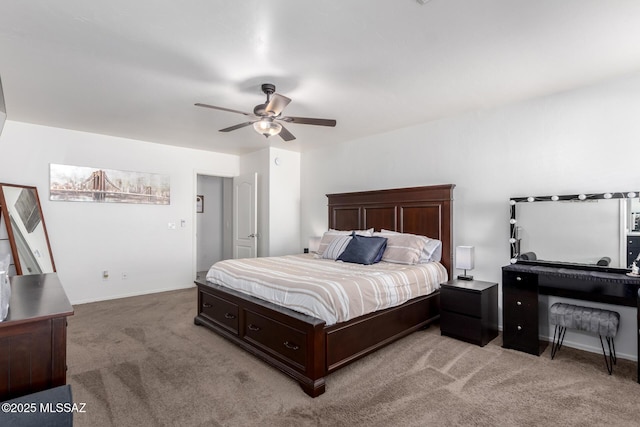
(328,237)
(336,247)
(432,250)
(402,248)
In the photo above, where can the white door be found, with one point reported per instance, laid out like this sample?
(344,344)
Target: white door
(245,216)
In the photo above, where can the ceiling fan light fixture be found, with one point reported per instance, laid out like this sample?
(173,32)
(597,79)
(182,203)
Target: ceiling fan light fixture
(267,127)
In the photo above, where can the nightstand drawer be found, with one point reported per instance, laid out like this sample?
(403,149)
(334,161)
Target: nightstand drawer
(460,301)
(462,327)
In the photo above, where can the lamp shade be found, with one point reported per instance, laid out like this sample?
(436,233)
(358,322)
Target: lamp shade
(314,243)
(464,257)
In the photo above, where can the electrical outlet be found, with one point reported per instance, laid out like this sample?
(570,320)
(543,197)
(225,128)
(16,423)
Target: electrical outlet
(172,226)
(124,276)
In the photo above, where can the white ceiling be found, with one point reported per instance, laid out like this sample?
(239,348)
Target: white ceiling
(134,68)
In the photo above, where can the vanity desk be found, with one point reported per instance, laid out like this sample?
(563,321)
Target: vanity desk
(525,320)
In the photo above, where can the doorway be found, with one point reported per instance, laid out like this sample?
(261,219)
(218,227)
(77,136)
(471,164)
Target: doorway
(214,220)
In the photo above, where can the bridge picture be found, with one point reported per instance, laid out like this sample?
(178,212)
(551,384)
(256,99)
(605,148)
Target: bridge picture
(86,184)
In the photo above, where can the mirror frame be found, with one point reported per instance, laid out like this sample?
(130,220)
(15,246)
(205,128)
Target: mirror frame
(514,241)
(4,212)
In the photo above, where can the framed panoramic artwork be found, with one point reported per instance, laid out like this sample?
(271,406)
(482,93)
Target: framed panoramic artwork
(87,184)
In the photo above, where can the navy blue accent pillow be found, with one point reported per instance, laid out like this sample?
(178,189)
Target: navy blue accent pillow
(364,250)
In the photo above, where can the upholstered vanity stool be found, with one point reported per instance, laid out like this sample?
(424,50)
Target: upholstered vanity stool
(597,321)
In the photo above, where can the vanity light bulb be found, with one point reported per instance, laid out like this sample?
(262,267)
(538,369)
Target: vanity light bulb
(555,198)
(582,197)
(631,195)
(530,199)
(607,195)
(512,221)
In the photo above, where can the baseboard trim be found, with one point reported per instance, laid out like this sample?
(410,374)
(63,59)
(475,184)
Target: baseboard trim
(133,294)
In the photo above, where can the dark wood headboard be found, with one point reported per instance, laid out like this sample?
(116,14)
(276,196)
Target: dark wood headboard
(418,210)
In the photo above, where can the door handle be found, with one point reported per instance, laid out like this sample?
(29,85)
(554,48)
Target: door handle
(252,235)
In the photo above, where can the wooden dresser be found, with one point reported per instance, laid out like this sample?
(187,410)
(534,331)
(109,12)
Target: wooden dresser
(33,337)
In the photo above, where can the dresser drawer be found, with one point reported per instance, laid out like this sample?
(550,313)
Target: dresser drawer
(460,301)
(276,338)
(219,311)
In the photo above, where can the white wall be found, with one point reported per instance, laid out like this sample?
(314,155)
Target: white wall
(284,202)
(87,238)
(581,141)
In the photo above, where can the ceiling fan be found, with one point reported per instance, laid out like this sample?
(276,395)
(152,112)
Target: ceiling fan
(266,117)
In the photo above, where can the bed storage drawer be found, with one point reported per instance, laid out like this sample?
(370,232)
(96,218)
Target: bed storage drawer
(278,339)
(219,311)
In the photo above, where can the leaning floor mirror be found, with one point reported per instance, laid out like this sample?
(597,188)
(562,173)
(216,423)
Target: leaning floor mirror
(21,216)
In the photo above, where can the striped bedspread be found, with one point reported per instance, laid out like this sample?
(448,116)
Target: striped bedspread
(332,291)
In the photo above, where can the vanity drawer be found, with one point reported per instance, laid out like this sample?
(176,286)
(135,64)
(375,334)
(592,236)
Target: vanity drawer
(516,280)
(521,336)
(276,338)
(633,242)
(520,311)
(219,311)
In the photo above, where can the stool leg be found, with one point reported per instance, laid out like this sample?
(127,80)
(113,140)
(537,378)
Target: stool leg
(611,360)
(612,346)
(555,346)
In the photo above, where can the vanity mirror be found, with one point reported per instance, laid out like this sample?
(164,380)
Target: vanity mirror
(21,214)
(596,230)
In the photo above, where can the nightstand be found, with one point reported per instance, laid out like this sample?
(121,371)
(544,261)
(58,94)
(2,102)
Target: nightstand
(469,310)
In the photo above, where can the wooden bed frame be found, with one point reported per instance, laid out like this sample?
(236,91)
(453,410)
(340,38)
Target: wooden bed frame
(303,347)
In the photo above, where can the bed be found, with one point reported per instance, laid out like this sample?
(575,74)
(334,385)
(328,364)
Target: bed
(306,347)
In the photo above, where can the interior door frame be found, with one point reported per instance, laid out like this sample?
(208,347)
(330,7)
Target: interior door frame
(194,215)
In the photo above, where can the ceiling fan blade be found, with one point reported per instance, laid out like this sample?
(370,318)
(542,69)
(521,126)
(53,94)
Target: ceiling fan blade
(276,104)
(286,135)
(222,108)
(309,121)
(241,125)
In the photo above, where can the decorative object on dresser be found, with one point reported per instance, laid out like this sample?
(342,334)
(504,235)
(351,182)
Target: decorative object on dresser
(22,216)
(469,310)
(464,261)
(33,337)
(304,347)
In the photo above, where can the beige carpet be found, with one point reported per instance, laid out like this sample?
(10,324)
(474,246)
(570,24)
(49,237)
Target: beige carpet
(142,362)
